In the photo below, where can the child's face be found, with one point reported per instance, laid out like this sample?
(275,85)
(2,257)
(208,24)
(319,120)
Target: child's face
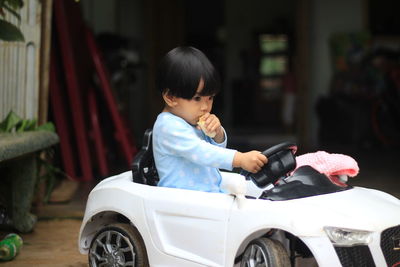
(192,109)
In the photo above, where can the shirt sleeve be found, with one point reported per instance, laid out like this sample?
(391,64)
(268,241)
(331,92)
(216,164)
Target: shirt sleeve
(182,140)
(223,144)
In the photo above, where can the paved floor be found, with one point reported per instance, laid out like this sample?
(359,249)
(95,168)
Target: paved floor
(54,240)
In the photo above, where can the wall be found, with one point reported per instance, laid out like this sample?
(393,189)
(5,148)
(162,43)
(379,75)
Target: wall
(19,65)
(241,22)
(327,17)
(125,18)
(100,15)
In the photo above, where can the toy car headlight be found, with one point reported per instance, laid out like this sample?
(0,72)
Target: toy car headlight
(348,237)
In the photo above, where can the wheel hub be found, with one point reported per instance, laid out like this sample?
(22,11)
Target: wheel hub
(254,256)
(113,256)
(111,249)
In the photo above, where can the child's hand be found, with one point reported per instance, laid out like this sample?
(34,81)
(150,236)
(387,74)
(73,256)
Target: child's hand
(250,161)
(213,124)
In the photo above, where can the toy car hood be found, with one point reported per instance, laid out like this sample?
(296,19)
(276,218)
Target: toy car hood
(373,211)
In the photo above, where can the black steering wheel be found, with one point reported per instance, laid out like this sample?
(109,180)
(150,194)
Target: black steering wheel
(281,161)
(280,147)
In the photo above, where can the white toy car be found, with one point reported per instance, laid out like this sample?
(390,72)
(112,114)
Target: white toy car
(269,220)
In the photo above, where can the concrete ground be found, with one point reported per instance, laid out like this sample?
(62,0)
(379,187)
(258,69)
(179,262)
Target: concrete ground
(54,240)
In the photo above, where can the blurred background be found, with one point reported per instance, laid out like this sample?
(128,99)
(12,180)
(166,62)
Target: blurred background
(320,73)
(324,74)
(279,60)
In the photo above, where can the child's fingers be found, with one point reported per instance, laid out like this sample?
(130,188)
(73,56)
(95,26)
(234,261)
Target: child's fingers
(260,163)
(263,158)
(210,118)
(260,160)
(205,116)
(210,121)
(257,165)
(256,169)
(213,125)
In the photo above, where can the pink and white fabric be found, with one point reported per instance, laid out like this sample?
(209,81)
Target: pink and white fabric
(330,164)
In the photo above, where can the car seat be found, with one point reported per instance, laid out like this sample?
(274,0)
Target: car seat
(144,170)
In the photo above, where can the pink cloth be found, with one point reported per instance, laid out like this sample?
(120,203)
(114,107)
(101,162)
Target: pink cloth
(329,164)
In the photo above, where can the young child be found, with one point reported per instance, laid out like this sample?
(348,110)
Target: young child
(186,155)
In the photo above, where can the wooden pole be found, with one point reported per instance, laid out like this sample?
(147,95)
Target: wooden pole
(302,66)
(45,59)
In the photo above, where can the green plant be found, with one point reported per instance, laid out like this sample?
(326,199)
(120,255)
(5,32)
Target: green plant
(15,124)
(8,31)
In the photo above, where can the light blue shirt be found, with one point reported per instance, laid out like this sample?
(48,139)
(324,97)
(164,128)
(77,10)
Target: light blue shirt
(186,158)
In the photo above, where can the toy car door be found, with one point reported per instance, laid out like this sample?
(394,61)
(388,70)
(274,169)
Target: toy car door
(190,224)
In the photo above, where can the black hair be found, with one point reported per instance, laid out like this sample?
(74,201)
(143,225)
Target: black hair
(180,71)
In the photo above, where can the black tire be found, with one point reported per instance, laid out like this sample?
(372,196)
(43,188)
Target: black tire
(116,245)
(265,252)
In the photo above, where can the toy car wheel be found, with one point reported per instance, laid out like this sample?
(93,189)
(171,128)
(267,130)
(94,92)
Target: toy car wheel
(265,252)
(118,245)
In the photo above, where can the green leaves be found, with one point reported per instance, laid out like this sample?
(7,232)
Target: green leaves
(14,4)
(48,126)
(14,123)
(9,122)
(8,31)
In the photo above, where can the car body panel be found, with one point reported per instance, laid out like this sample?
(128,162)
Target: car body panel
(192,228)
(176,217)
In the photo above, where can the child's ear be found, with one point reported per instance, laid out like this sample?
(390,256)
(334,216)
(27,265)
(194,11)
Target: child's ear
(169,99)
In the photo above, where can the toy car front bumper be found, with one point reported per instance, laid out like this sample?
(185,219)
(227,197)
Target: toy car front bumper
(383,250)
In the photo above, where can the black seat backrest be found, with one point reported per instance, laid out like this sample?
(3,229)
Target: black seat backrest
(143,167)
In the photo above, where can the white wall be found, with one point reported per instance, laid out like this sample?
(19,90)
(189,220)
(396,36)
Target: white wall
(19,65)
(327,17)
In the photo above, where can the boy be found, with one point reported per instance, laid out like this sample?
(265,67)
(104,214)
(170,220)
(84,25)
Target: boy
(186,156)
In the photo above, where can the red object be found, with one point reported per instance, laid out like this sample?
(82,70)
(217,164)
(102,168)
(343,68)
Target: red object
(75,58)
(60,119)
(96,134)
(121,132)
(65,41)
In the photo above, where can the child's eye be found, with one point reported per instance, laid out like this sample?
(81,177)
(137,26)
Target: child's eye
(197,98)
(211,97)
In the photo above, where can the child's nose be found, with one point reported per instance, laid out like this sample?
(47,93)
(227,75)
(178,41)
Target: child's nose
(205,104)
